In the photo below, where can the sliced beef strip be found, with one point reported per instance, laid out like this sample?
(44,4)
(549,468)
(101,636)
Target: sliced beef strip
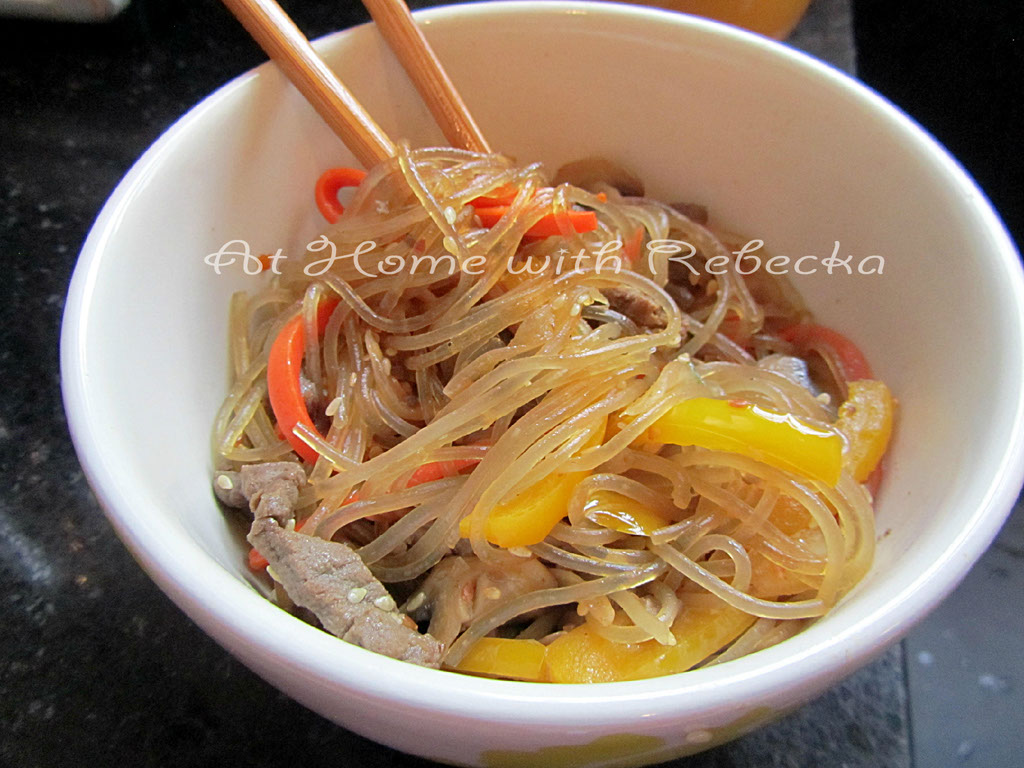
(325,577)
(636,306)
(329,579)
(693,211)
(227,486)
(593,173)
(460,589)
(276,484)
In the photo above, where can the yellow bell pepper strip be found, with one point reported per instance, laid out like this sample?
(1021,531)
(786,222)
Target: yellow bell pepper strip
(504,657)
(583,656)
(623,514)
(704,625)
(790,516)
(528,518)
(769,580)
(779,439)
(865,419)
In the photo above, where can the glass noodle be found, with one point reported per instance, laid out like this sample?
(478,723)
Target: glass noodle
(515,380)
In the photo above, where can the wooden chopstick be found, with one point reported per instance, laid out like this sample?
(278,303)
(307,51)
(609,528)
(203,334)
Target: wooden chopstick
(277,34)
(424,69)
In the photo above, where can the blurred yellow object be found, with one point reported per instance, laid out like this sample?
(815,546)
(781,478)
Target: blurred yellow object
(866,420)
(775,18)
(704,625)
(504,657)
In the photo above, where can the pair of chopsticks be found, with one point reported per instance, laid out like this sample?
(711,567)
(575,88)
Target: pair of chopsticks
(277,34)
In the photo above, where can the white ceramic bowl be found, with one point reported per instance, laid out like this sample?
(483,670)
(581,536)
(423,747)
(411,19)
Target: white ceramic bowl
(777,145)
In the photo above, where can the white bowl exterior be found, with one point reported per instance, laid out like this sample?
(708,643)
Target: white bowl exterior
(779,147)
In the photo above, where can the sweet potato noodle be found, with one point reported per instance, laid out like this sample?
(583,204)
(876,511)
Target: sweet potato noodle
(563,472)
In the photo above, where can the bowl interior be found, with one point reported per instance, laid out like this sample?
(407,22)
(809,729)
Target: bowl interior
(779,149)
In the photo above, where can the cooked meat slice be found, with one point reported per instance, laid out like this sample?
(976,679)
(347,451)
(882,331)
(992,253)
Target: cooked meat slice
(693,211)
(636,306)
(593,173)
(460,589)
(329,579)
(227,486)
(276,484)
(325,577)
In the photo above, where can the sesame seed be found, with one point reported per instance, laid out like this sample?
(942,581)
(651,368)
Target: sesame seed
(356,594)
(449,215)
(492,593)
(385,603)
(416,601)
(520,552)
(225,482)
(332,407)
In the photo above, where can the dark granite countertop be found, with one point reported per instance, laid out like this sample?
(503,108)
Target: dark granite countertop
(97,666)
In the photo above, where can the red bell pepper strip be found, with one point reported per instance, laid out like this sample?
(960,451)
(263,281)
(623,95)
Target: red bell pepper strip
(506,195)
(332,181)
(501,196)
(631,248)
(285,390)
(490,208)
(437,470)
(257,562)
(833,346)
(284,365)
(874,481)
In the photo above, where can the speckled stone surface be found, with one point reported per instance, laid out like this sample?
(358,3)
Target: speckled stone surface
(97,667)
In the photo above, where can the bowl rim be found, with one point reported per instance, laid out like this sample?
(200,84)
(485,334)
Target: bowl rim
(260,634)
